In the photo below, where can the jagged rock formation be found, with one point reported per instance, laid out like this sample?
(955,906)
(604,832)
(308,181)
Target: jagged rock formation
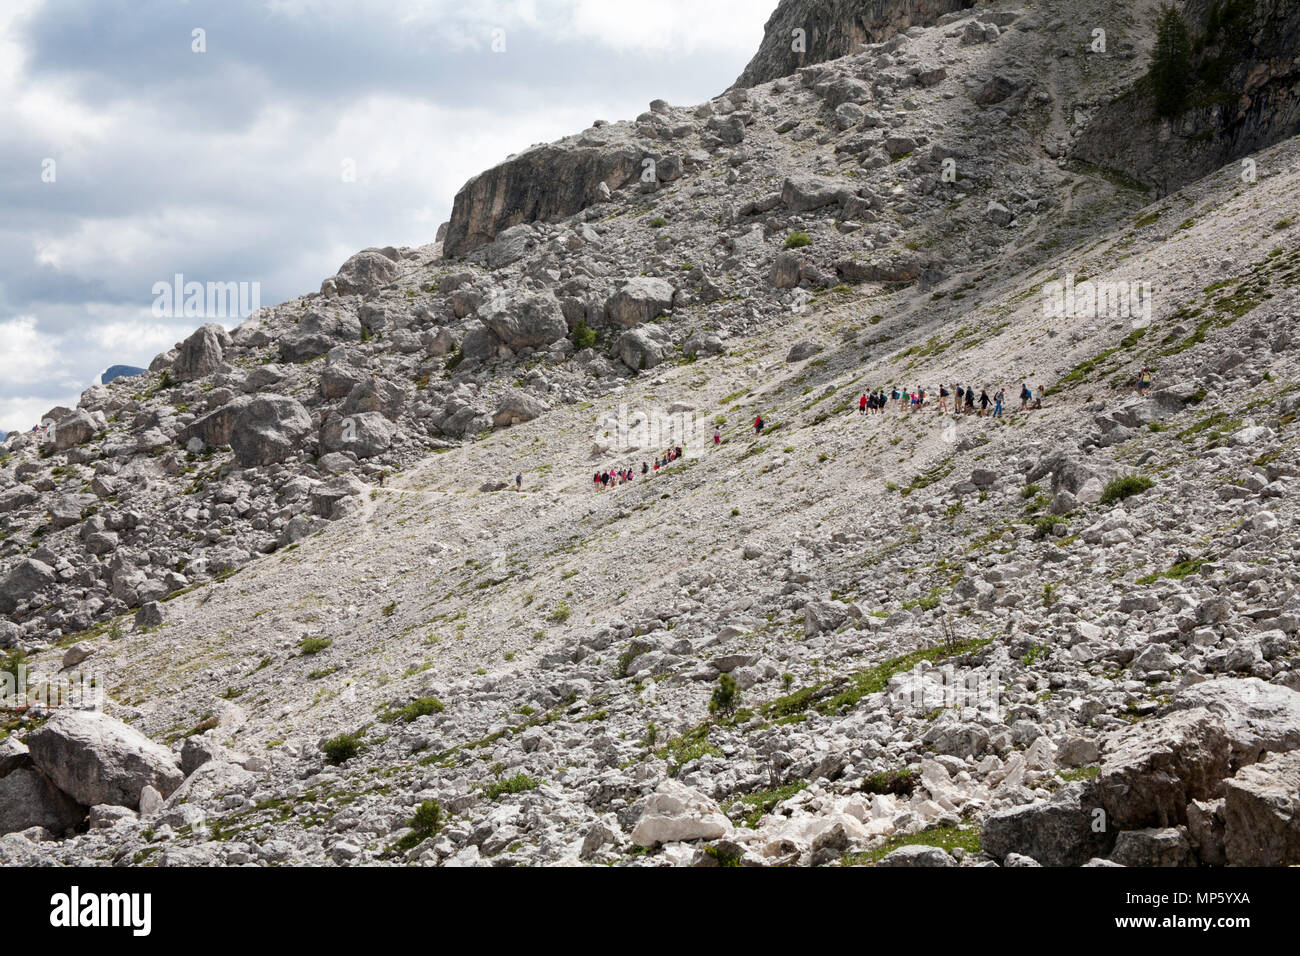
(834,28)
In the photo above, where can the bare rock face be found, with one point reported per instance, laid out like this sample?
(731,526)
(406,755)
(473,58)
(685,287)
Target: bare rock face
(1152,770)
(95,759)
(1257,101)
(269,429)
(1262,813)
(834,29)
(543,183)
(29,799)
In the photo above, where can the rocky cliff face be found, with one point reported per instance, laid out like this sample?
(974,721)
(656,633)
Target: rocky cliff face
(544,183)
(1247,97)
(834,28)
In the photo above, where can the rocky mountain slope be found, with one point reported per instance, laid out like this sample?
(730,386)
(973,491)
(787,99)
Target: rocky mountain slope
(330,630)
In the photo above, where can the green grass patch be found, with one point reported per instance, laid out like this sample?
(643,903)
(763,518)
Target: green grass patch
(519,783)
(1126,486)
(946,838)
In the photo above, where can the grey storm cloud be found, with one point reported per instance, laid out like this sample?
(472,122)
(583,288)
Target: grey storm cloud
(225,165)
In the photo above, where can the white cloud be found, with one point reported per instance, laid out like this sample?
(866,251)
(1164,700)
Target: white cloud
(27,355)
(673,26)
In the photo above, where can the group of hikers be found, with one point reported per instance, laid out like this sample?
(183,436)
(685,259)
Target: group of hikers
(610,477)
(965,400)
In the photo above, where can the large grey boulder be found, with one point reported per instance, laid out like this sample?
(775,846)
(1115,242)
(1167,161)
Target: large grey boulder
(899,268)
(639,300)
(917,855)
(269,429)
(216,427)
(74,429)
(638,351)
(29,799)
(806,193)
(1257,717)
(1262,813)
(1156,846)
(509,246)
(201,354)
(336,381)
(822,616)
(1062,831)
(365,434)
(210,782)
(524,320)
(96,759)
(787,268)
(517,407)
(13,499)
(318,332)
(729,129)
(364,272)
(1150,771)
(478,343)
(326,496)
(27,579)
(439,342)
(804,349)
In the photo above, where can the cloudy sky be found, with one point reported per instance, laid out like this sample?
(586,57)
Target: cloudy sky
(133,148)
